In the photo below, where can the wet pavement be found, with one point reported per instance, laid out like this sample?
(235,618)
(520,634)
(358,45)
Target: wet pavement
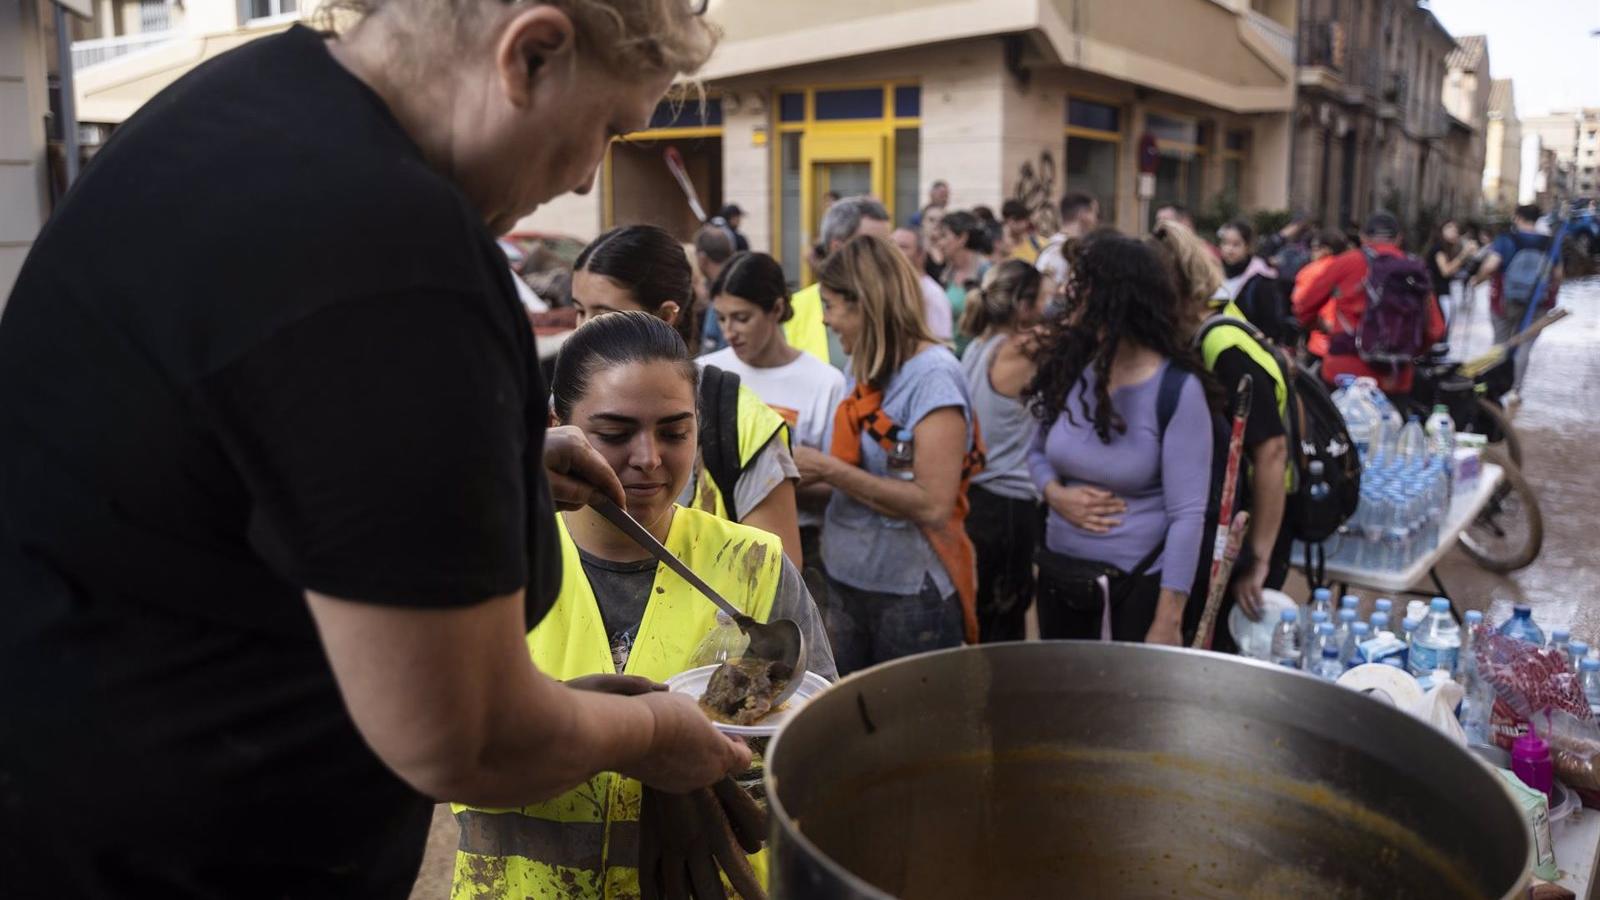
(1559,423)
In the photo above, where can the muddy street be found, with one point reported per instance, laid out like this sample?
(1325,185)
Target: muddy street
(1560,432)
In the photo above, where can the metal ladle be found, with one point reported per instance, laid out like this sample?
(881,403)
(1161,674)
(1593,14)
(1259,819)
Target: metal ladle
(779,640)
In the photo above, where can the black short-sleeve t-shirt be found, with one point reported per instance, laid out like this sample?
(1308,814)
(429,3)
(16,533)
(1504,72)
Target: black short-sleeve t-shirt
(261,348)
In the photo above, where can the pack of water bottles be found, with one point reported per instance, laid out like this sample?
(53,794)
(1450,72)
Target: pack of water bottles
(1406,480)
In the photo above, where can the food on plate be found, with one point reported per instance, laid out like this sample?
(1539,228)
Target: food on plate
(741,691)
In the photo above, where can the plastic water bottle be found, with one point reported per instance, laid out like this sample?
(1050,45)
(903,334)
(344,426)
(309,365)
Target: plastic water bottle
(1408,631)
(1286,640)
(1521,625)
(1328,668)
(1436,644)
(1349,601)
(1360,418)
(1577,651)
(1559,638)
(1321,637)
(1341,627)
(1441,430)
(1383,605)
(1416,609)
(1412,447)
(1589,672)
(902,456)
(1360,633)
(1475,697)
(1379,623)
(1309,626)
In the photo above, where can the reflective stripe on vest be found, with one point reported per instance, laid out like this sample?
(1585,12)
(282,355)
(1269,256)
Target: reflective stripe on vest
(585,842)
(758,425)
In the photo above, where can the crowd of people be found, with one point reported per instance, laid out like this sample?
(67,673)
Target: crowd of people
(962,418)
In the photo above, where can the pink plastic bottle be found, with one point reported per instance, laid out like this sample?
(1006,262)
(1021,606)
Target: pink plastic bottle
(1530,761)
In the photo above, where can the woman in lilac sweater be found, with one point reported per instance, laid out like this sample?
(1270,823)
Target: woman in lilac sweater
(1127,498)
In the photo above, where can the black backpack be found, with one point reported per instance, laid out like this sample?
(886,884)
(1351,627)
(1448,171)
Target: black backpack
(1316,433)
(719,432)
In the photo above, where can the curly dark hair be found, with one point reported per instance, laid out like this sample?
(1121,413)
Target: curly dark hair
(1119,291)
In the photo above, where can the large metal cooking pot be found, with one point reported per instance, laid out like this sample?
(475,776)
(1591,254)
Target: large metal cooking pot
(1074,769)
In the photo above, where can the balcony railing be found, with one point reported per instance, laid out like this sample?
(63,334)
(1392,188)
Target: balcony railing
(92,53)
(1281,38)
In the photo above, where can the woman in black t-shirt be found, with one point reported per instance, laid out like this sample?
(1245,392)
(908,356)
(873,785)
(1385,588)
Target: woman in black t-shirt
(1264,556)
(269,545)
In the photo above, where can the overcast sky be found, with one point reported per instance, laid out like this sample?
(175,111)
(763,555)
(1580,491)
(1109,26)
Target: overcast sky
(1544,46)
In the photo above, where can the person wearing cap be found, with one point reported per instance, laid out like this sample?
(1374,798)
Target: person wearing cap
(1344,282)
(729,217)
(270,546)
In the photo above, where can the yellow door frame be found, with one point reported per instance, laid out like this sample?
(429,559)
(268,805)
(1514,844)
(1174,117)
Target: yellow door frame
(857,140)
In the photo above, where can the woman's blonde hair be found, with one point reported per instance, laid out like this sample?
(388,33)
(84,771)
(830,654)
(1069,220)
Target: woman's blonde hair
(1007,289)
(628,37)
(1197,275)
(873,274)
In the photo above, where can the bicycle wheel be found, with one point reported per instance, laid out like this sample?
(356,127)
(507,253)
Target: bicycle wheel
(1509,533)
(1492,422)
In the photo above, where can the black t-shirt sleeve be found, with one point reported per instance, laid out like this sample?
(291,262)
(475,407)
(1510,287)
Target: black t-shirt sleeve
(381,442)
(1264,422)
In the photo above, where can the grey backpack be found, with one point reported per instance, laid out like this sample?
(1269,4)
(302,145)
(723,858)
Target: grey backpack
(1522,276)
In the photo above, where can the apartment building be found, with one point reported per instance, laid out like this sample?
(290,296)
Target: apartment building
(1370,123)
(1573,136)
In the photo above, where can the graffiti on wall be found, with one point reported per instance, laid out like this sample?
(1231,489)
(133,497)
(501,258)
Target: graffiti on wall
(1036,188)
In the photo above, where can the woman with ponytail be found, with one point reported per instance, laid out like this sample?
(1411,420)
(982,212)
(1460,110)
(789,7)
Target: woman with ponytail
(1003,523)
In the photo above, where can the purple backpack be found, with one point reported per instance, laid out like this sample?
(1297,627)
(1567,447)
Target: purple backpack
(1393,329)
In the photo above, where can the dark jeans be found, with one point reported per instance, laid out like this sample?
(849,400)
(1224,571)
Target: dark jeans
(870,627)
(1003,531)
(1062,615)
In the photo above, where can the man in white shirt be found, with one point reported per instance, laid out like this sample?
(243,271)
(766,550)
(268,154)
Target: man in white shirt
(934,301)
(1080,214)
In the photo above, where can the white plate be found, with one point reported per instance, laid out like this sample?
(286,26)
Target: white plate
(1387,684)
(1255,638)
(693,683)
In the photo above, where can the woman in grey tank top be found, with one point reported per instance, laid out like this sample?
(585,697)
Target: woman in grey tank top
(1004,520)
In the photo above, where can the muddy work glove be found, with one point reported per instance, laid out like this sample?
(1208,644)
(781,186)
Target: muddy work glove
(684,839)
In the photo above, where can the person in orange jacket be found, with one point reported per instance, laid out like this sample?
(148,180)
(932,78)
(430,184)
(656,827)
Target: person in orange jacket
(1326,244)
(1343,283)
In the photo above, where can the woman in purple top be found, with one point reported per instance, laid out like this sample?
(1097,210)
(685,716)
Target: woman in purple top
(1127,498)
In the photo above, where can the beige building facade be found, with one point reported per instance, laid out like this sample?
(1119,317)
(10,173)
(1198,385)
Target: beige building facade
(1002,99)
(1573,136)
(1502,162)
(1370,125)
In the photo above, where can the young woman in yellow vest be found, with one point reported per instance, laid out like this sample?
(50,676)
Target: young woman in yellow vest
(627,381)
(745,472)
(1232,348)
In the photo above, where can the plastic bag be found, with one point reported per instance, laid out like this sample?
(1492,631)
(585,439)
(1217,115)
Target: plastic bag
(1535,688)
(1438,708)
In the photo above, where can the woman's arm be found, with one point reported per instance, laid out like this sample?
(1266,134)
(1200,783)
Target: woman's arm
(940,442)
(1185,487)
(1267,502)
(450,701)
(1449,267)
(1039,468)
(778,514)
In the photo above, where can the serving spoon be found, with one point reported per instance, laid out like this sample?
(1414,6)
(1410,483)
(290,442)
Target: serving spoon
(779,640)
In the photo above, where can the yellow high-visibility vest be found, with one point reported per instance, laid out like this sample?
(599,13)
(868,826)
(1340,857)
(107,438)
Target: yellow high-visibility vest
(1224,337)
(758,425)
(805,330)
(585,843)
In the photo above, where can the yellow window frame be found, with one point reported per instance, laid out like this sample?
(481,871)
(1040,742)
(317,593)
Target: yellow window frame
(1096,134)
(844,131)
